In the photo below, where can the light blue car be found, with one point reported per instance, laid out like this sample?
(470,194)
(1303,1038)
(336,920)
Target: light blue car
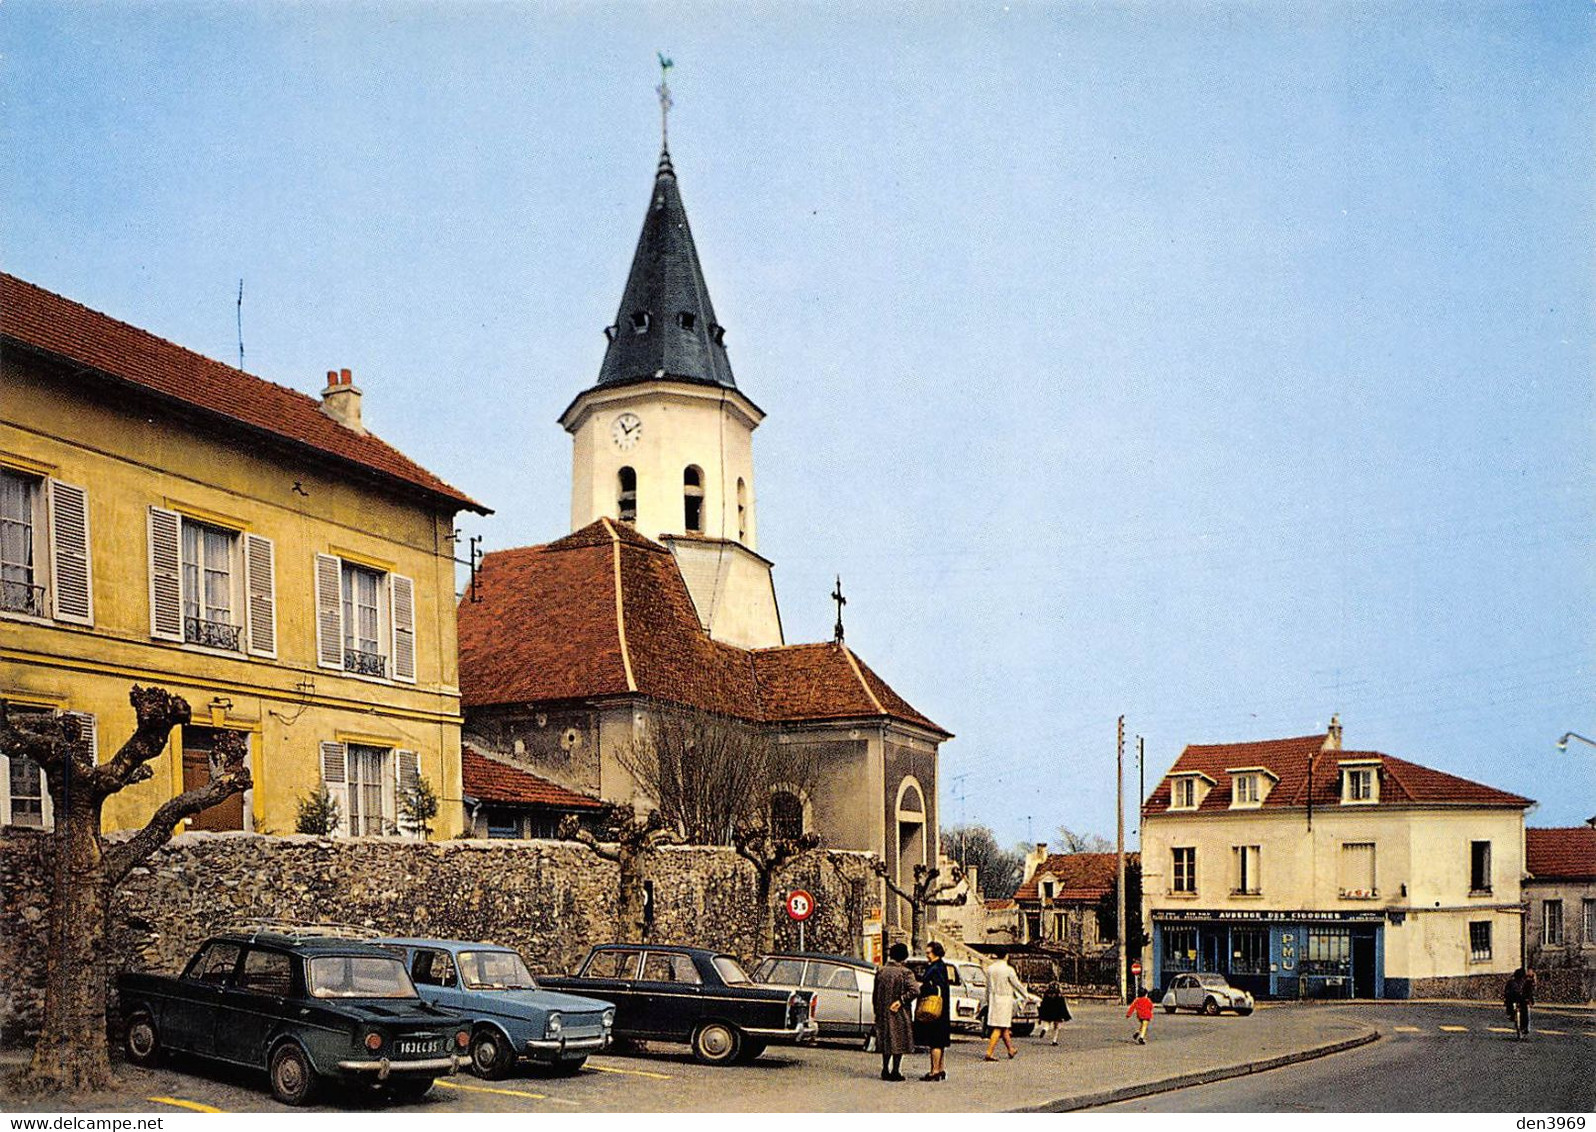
(511,1016)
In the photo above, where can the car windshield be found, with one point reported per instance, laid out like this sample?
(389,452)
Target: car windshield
(357,976)
(495,970)
(731,971)
(1212,980)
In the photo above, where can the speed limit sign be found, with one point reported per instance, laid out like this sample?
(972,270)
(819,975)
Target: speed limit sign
(800,905)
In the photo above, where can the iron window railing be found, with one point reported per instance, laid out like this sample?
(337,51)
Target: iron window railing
(211,634)
(365,663)
(22,597)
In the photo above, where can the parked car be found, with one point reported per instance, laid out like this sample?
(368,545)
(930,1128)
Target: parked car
(973,978)
(1206,992)
(687,994)
(511,1016)
(966,1006)
(304,1006)
(842,988)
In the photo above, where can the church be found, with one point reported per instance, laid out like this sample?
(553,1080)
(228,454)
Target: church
(659,599)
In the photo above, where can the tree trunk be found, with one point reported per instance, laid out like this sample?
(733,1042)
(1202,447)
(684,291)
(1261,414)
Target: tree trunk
(767,912)
(71,1053)
(916,927)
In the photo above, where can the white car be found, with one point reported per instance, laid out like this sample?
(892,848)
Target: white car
(842,987)
(1207,993)
(970,999)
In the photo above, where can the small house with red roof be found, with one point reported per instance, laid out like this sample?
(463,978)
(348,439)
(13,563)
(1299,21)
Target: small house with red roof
(659,600)
(1059,899)
(1298,868)
(1560,911)
(167,519)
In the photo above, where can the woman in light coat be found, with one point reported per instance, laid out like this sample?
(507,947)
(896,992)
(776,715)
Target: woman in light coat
(1003,990)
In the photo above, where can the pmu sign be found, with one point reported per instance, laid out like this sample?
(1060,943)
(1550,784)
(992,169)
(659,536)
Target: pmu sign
(800,905)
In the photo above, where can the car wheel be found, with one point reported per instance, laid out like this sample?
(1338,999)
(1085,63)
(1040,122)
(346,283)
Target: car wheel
(409,1092)
(1211,1007)
(717,1043)
(491,1055)
(293,1080)
(143,1044)
(1023,1029)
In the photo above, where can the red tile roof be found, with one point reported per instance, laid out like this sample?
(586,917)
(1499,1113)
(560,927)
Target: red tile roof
(42,320)
(1401,782)
(999,904)
(490,780)
(605,612)
(1562,853)
(1082,877)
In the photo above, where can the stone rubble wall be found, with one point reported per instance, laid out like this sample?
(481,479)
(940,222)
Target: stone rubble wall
(551,900)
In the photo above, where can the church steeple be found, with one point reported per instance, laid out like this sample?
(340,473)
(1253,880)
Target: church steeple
(666,327)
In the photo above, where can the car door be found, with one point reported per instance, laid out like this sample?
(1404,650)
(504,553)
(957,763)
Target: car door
(671,993)
(437,978)
(250,1007)
(837,998)
(611,974)
(1188,992)
(191,1022)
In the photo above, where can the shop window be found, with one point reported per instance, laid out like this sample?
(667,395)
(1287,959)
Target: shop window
(1327,952)
(1180,949)
(1249,951)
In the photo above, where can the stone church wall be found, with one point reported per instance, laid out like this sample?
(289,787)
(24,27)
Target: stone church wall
(549,899)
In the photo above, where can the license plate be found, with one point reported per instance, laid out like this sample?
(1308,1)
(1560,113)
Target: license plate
(429,1046)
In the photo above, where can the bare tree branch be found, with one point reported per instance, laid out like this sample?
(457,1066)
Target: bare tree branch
(158,712)
(229,776)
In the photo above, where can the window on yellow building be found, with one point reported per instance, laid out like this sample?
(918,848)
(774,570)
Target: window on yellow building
(1247,860)
(211,586)
(209,576)
(1357,870)
(365,620)
(24,791)
(1185,869)
(44,548)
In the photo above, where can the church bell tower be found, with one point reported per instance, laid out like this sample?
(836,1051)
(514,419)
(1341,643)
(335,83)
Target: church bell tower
(664,439)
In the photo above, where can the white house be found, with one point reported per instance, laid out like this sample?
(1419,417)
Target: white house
(1299,869)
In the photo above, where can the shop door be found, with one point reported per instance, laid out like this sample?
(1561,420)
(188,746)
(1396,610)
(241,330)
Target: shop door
(1363,965)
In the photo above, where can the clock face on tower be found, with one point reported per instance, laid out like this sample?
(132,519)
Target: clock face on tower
(627,430)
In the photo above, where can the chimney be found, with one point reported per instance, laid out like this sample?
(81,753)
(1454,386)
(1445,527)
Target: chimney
(341,400)
(1332,740)
(1033,861)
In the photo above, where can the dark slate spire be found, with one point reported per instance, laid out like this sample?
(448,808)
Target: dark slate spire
(666,325)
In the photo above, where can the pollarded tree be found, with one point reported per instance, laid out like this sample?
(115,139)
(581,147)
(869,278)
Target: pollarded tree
(71,1053)
(767,852)
(930,890)
(624,837)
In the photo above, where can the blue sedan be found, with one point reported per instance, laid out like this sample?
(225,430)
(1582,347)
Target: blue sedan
(511,1016)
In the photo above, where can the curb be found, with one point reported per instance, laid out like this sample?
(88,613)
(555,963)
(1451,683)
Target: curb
(1201,1077)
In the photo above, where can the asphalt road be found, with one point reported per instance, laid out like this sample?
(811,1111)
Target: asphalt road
(1430,1058)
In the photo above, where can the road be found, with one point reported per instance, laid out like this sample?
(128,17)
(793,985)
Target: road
(1430,1058)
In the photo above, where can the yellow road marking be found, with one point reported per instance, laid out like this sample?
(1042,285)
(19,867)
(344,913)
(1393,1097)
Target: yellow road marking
(195,1105)
(1456,1029)
(1559,1033)
(630,1072)
(486,1089)
(1407,1029)
(1501,1029)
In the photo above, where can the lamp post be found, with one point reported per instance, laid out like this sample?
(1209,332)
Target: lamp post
(1562,744)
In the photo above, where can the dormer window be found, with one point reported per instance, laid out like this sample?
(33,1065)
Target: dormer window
(1183,794)
(639,322)
(1360,783)
(1246,790)
(687,320)
(717,333)
(1249,786)
(1048,889)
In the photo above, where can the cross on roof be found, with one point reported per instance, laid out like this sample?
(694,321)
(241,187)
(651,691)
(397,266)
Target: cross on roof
(664,92)
(836,596)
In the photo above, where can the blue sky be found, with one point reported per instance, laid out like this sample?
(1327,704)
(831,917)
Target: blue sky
(1220,365)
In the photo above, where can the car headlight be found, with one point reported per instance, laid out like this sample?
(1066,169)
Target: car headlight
(609,1019)
(554,1025)
(373,1041)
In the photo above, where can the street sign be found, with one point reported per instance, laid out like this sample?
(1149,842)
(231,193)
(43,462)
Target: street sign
(1136,967)
(800,905)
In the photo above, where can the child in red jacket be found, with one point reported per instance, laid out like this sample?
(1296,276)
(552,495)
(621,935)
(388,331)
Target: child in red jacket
(1142,1007)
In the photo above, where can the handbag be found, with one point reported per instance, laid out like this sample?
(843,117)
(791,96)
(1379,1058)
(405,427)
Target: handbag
(929,1008)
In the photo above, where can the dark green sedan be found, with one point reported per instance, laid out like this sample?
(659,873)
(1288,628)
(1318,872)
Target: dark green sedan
(305,1006)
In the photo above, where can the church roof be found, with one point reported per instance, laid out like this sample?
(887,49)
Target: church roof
(1290,762)
(605,612)
(666,326)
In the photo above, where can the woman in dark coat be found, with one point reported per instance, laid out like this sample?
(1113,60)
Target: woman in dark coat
(934,1033)
(893,997)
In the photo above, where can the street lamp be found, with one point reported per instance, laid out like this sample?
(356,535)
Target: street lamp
(1562,744)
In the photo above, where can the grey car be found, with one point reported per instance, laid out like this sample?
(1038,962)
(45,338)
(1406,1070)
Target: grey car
(842,987)
(1205,992)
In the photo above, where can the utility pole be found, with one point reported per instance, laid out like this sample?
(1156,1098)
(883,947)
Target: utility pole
(1141,788)
(1119,822)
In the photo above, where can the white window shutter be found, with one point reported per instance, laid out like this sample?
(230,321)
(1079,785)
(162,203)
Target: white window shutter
(166,575)
(406,770)
(260,568)
(335,776)
(71,580)
(403,594)
(329,612)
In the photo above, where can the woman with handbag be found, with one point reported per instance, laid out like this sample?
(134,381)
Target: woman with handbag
(931,1026)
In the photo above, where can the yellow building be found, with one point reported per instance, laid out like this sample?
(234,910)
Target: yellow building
(169,520)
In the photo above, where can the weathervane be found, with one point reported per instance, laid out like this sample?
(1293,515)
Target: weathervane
(836,596)
(664,92)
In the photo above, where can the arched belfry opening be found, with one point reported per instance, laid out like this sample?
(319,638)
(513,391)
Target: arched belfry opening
(626,495)
(693,499)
